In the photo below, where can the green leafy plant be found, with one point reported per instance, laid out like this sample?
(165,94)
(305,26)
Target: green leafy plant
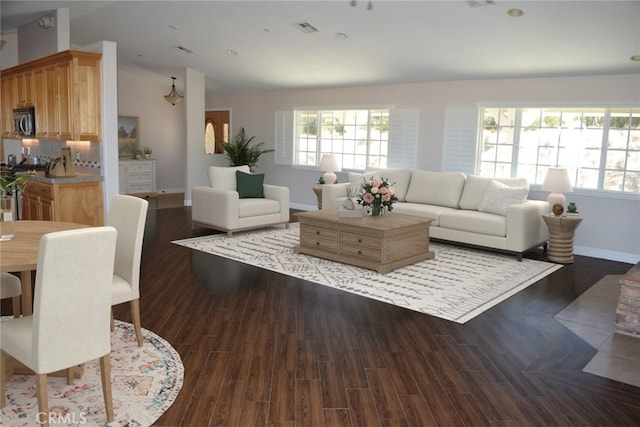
(10,182)
(241,152)
(148,150)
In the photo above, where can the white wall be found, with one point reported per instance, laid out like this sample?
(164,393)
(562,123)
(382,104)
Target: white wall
(610,226)
(35,42)
(141,93)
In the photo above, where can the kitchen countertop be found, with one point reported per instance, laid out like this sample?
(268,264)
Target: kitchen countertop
(79,177)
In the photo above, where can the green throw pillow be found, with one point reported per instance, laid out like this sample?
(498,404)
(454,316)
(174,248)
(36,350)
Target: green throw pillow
(249,186)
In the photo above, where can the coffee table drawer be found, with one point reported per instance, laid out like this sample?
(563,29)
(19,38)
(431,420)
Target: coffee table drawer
(361,252)
(322,233)
(354,239)
(319,243)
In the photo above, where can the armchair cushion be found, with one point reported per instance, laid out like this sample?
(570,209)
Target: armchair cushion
(249,186)
(224,178)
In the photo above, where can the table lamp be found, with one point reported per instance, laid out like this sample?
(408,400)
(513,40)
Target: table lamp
(557,181)
(329,164)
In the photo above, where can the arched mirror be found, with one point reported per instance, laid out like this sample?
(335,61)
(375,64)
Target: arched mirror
(209,137)
(216,130)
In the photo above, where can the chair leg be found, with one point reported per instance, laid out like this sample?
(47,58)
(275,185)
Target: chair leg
(3,379)
(17,307)
(135,315)
(70,379)
(43,403)
(113,324)
(105,374)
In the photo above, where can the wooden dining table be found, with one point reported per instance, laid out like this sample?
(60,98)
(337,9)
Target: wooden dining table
(20,255)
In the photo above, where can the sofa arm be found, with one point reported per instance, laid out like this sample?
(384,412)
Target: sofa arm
(525,226)
(214,207)
(281,194)
(333,194)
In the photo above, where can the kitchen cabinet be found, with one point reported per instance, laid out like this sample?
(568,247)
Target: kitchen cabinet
(24,89)
(8,91)
(137,176)
(65,90)
(77,202)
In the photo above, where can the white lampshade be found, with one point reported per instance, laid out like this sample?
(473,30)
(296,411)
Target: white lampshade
(329,164)
(557,181)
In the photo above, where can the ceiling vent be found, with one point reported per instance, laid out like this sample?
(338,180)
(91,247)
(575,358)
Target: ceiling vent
(184,49)
(305,27)
(476,3)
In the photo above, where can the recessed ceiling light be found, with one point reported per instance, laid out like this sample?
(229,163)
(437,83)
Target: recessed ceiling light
(635,58)
(341,35)
(515,12)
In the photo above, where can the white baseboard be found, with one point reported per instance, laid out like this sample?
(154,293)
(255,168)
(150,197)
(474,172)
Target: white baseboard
(303,207)
(605,254)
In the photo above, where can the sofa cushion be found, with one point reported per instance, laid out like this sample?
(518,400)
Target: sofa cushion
(432,212)
(249,185)
(476,186)
(474,222)
(224,178)
(499,197)
(398,178)
(257,207)
(357,179)
(436,188)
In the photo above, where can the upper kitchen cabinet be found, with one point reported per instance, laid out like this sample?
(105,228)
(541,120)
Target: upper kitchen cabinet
(64,88)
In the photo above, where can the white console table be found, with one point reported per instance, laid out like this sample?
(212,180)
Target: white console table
(138,176)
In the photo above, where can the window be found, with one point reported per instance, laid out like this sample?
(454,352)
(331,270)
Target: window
(360,138)
(373,137)
(599,146)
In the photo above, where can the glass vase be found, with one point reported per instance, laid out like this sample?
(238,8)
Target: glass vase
(377,210)
(7,218)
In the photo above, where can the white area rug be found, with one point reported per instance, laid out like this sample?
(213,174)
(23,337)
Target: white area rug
(145,382)
(457,285)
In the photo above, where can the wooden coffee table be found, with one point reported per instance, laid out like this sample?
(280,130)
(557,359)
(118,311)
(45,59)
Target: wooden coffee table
(378,243)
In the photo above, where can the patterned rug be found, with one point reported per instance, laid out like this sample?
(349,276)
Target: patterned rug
(457,285)
(145,382)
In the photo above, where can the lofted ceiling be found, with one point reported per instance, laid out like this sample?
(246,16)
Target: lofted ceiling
(260,45)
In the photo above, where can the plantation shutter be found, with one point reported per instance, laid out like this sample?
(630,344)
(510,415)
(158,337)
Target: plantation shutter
(460,140)
(284,138)
(404,127)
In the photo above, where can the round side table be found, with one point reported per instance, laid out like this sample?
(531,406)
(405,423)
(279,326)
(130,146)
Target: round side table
(318,190)
(561,232)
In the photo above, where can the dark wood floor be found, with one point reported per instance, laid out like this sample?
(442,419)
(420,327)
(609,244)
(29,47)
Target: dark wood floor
(261,348)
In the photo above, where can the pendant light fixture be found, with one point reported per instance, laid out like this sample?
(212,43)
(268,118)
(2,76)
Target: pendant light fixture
(174,97)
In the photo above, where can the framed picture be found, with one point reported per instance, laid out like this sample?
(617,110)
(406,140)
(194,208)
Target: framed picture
(128,138)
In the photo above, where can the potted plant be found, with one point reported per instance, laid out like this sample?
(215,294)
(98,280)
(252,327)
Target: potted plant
(138,153)
(147,152)
(241,152)
(9,183)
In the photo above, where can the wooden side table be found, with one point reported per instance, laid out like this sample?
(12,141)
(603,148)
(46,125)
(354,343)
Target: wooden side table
(318,190)
(561,232)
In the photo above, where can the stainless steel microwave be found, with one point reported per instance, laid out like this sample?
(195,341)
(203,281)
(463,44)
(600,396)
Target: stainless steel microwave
(24,121)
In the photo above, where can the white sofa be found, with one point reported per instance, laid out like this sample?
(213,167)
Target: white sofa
(221,206)
(469,210)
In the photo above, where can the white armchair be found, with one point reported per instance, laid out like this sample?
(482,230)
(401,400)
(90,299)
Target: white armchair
(222,207)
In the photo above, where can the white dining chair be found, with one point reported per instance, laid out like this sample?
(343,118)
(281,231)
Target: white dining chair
(11,287)
(70,322)
(128,214)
